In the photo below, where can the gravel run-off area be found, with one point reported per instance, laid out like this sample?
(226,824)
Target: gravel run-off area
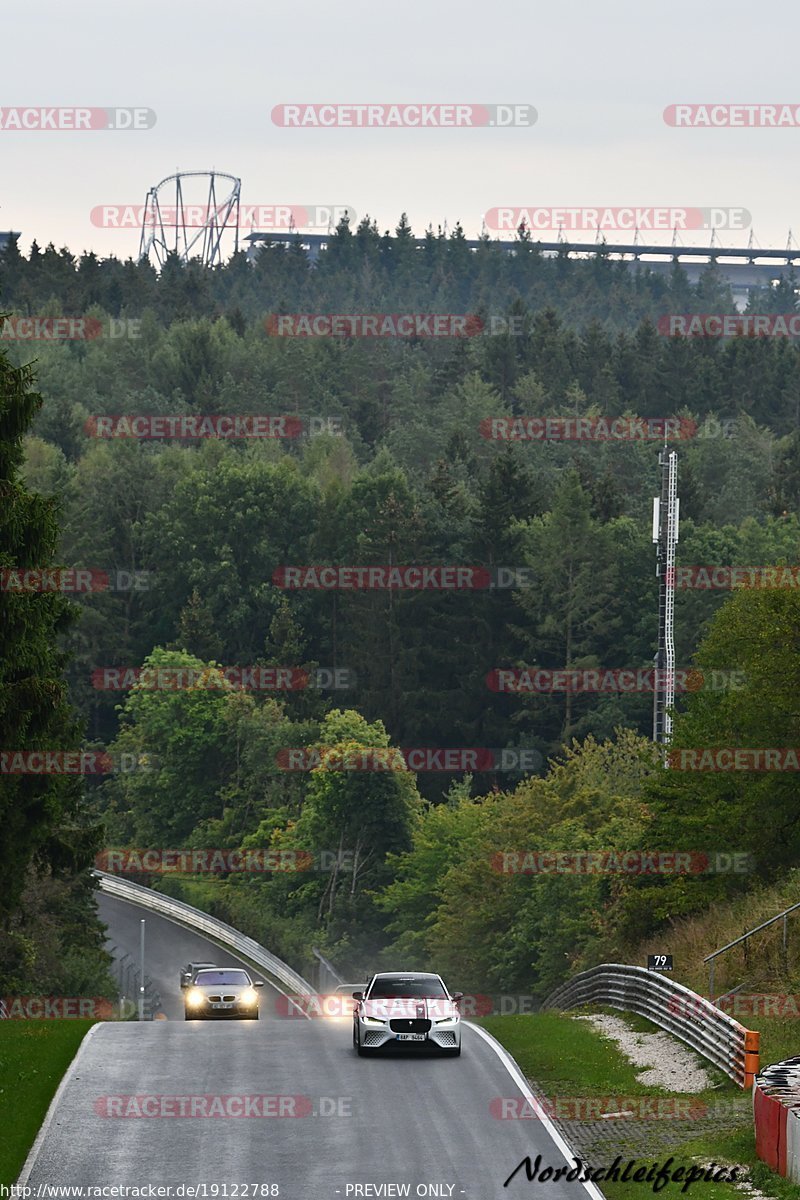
(666,1062)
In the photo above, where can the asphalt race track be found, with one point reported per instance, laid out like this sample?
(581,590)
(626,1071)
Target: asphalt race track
(167,947)
(281,1101)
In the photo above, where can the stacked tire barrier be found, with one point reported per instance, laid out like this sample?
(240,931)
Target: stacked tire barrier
(671,1006)
(776,1113)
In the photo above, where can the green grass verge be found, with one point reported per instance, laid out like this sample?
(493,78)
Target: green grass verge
(568,1058)
(33,1058)
(780,1037)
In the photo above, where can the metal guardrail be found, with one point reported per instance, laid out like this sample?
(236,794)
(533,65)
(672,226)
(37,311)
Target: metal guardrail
(671,1006)
(710,958)
(200,922)
(328,966)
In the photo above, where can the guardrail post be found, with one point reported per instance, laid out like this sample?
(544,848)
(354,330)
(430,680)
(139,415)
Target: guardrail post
(141,969)
(752,1039)
(711,981)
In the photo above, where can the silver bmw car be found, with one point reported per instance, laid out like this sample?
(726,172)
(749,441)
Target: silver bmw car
(221,992)
(408,1009)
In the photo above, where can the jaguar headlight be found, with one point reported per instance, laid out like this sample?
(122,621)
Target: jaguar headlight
(372,1021)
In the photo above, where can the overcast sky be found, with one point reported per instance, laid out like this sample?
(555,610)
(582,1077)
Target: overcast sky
(599,76)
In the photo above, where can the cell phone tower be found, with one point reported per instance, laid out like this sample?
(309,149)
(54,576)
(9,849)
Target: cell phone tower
(191,227)
(666,515)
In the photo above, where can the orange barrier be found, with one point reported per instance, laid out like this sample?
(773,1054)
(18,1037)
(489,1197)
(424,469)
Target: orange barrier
(752,1039)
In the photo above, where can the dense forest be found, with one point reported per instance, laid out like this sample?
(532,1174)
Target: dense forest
(390,465)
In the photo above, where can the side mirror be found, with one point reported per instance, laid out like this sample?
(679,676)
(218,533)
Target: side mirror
(457,996)
(358,995)
(259,983)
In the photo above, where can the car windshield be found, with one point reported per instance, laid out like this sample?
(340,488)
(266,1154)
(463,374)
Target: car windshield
(413,987)
(221,978)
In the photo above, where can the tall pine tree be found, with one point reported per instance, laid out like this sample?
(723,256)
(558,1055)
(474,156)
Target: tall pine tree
(40,814)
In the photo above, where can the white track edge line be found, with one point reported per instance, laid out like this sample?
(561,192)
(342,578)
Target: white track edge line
(33,1153)
(516,1074)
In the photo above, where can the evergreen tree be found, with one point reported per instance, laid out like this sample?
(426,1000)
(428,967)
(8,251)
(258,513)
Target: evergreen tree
(41,814)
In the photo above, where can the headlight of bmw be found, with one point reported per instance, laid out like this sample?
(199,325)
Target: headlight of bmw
(194,998)
(372,1021)
(249,997)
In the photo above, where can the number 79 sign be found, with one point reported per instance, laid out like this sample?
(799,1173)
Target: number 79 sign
(659,962)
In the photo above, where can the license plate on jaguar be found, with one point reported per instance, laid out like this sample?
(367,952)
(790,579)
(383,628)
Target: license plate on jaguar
(223,1005)
(410,1037)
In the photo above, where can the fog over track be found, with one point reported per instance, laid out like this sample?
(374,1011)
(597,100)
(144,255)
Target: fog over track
(420,1122)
